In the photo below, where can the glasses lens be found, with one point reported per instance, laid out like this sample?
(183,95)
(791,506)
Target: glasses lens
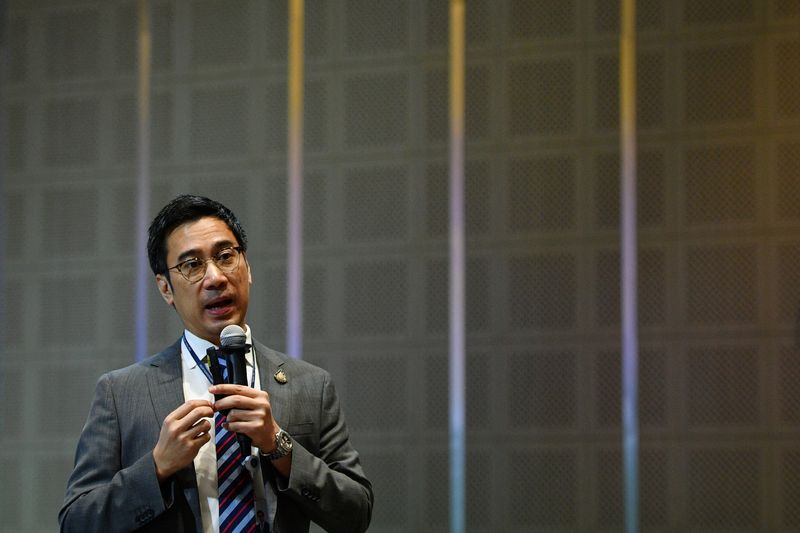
(193,270)
(227,259)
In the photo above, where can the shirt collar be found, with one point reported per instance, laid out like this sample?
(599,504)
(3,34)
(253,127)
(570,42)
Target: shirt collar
(201,345)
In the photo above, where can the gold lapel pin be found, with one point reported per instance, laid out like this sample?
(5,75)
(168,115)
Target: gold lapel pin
(280,376)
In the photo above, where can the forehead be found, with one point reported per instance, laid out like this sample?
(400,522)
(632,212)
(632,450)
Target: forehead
(202,236)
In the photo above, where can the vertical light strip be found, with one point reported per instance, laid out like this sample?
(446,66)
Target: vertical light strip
(457,289)
(294,241)
(630,335)
(5,219)
(143,279)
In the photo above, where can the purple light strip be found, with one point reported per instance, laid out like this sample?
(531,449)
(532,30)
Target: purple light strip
(630,334)
(294,238)
(457,406)
(143,280)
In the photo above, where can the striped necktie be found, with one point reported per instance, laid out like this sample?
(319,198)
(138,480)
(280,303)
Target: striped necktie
(236,502)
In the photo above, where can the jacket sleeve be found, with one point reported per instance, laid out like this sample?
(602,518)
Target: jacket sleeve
(330,487)
(102,495)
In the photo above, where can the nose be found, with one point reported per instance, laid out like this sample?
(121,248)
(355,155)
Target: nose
(214,276)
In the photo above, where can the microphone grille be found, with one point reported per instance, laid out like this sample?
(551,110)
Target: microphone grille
(232,335)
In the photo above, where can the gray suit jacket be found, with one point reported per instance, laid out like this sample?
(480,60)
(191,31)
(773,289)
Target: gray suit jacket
(113,486)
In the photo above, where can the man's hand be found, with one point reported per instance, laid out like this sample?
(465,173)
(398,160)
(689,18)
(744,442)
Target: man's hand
(183,433)
(250,413)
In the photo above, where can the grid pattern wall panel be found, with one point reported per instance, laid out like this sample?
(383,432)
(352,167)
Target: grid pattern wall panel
(651,189)
(541,97)
(787,155)
(604,16)
(162,30)
(550,381)
(372,122)
(219,35)
(720,184)
(719,83)
(541,194)
(71,131)
(650,95)
(477,114)
(48,494)
(724,488)
(718,213)
(543,489)
(787,53)
(480,189)
(654,496)
(10,507)
(541,292)
(723,387)
(654,381)
(72,43)
(478,311)
(789,488)
(651,288)
(721,285)
(788,370)
(480,377)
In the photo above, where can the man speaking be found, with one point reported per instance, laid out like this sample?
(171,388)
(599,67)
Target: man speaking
(174,444)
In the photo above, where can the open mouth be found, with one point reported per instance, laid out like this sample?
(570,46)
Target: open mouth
(218,306)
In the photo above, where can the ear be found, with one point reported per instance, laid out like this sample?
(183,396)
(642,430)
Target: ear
(164,289)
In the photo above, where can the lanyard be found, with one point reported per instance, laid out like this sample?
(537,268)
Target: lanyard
(205,369)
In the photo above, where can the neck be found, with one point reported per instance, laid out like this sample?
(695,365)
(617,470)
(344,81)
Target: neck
(215,340)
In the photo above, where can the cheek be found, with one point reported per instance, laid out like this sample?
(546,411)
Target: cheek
(185,304)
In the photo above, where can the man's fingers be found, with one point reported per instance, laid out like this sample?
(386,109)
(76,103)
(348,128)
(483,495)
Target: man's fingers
(238,397)
(230,389)
(199,431)
(244,426)
(179,425)
(243,415)
(186,408)
(237,402)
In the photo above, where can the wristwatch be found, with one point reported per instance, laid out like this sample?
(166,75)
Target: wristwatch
(283,446)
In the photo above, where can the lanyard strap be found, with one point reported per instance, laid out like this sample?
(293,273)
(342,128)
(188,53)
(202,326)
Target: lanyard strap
(205,369)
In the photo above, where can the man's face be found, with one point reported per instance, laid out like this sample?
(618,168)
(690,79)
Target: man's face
(217,300)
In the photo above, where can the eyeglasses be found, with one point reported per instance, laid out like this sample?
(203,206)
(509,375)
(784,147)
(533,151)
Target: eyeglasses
(194,269)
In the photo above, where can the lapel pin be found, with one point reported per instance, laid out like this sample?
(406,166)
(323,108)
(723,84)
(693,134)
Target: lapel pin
(280,377)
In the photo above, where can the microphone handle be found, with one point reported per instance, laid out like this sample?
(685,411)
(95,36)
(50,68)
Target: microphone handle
(238,375)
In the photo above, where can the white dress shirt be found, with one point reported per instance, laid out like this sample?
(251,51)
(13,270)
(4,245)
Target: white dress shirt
(195,387)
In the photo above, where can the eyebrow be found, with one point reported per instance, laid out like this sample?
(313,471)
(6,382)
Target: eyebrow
(194,252)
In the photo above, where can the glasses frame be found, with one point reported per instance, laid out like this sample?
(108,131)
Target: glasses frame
(239,253)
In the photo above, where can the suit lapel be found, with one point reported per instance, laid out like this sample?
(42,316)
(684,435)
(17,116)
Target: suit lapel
(166,392)
(166,384)
(268,366)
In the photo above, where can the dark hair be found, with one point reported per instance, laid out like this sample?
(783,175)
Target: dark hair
(186,208)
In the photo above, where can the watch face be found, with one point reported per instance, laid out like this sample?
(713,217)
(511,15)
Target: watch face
(285,441)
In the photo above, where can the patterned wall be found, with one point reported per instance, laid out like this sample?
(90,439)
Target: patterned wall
(719,199)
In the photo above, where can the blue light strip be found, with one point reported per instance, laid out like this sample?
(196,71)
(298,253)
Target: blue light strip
(630,334)
(294,238)
(143,279)
(457,406)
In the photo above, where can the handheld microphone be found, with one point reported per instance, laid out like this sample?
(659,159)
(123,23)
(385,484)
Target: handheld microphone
(233,345)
